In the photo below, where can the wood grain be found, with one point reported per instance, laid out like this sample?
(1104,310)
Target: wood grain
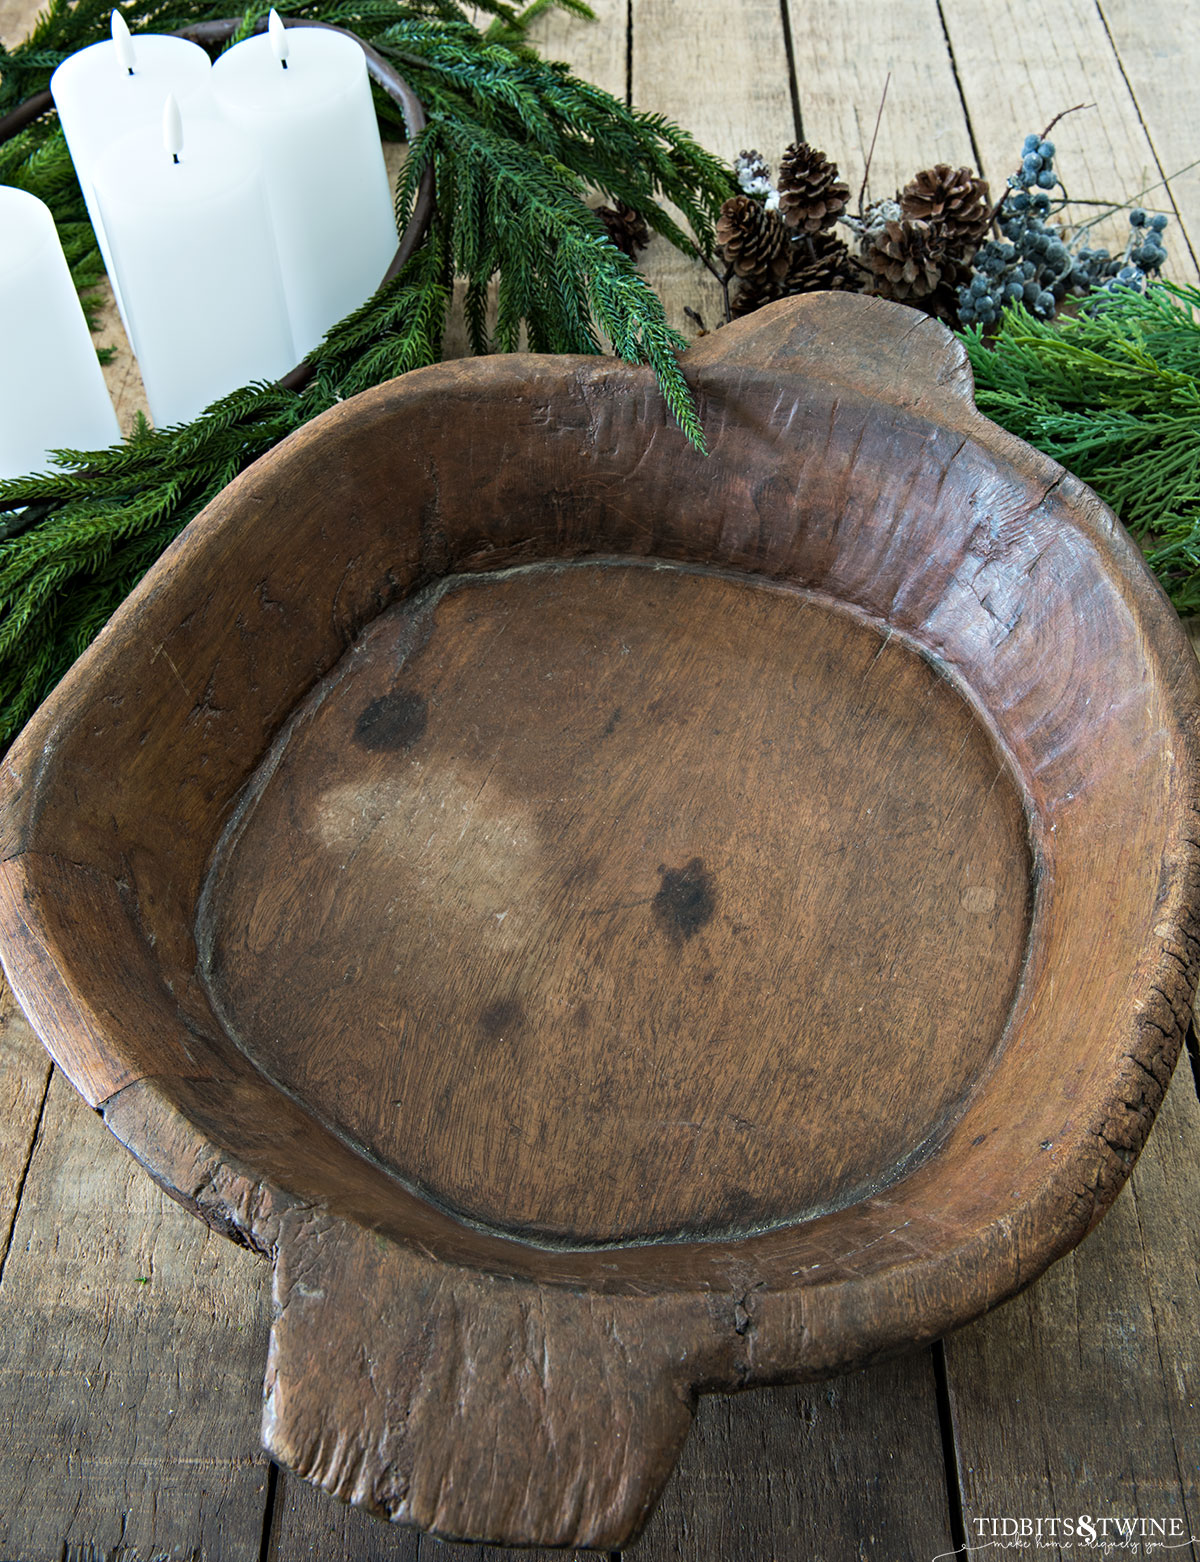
(311,1524)
(16,19)
(597,51)
(117,1435)
(744,101)
(848,1468)
(628,959)
(24,1080)
(1047,1393)
(721,1500)
(1157,46)
(844,56)
(1104,153)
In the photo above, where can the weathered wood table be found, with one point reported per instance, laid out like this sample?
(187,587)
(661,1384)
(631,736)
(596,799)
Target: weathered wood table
(132,1340)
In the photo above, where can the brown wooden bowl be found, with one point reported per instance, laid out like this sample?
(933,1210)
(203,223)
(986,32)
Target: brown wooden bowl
(609,923)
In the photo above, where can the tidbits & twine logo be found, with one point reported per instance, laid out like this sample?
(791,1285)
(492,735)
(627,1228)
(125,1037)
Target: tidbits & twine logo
(1110,1534)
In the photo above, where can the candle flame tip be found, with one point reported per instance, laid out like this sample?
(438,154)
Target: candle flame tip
(278,35)
(122,42)
(172,127)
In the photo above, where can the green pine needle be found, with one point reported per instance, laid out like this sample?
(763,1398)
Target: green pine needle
(515,142)
(1112,392)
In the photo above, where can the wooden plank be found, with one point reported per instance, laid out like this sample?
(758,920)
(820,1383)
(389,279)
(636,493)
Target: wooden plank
(724,1471)
(1021,62)
(719,71)
(722,73)
(16,18)
(132,1343)
(844,55)
(24,1080)
(765,1469)
(597,50)
(1158,46)
(848,1468)
(1083,1395)
(121,373)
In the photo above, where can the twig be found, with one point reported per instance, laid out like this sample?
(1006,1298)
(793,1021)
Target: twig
(1063,115)
(994,220)
(724,280)
(871,153)
(1120,206)
(1109,206)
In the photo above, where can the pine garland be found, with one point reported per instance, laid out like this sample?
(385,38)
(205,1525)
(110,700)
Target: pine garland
(1112,392)
(515,142)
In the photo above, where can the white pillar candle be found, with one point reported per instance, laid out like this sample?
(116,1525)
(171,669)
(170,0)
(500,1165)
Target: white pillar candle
(110,89)
(52,393)
(187,222)
(302,97)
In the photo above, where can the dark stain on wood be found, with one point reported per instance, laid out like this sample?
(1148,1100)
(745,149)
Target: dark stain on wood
(685,901)
(393,721)
(503,1020)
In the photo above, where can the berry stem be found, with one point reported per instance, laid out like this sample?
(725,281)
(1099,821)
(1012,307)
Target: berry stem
(874,137)
(724,279)
(1063,115)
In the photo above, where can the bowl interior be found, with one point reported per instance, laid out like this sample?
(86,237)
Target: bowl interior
(617,901)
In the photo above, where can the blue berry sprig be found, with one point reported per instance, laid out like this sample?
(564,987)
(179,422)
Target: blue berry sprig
(1037,262)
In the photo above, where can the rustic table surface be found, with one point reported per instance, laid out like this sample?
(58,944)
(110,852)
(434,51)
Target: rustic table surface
(132,1340)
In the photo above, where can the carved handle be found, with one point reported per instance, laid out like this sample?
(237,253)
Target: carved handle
(477,1407)
(888,350)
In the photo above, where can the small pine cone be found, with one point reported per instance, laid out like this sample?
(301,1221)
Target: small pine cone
(752,239)
(820,263)
(908,260)
(753,175)
(811,193)
(626,228)
(753,295)
(954,199)
(878,214)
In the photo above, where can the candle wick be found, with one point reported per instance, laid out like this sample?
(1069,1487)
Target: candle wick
(277,33)
(129,72)
(172,128)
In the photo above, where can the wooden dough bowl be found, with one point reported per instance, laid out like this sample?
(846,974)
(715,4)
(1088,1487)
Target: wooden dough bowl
(611,924)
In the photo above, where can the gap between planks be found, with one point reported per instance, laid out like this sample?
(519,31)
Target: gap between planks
(957,1371)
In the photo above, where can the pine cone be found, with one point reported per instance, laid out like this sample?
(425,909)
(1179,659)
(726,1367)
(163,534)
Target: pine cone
(953,198)
(811,193)
(820,263)
(909,260)
(626,228)
(753,175)
(752,239)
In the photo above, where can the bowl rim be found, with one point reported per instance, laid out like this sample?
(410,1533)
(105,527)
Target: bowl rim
(840,1321)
